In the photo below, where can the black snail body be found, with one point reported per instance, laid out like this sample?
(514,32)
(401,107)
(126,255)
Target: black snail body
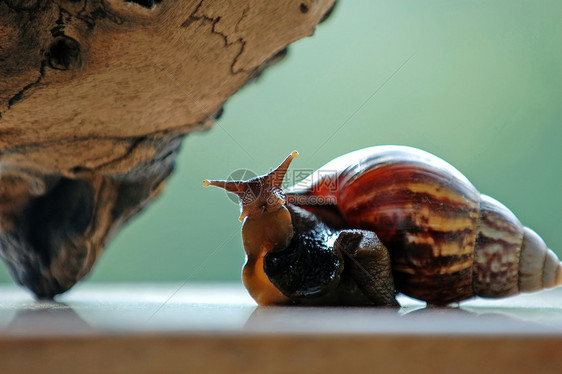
(440,240)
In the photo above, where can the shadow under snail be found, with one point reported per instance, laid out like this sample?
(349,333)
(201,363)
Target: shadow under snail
(383,220)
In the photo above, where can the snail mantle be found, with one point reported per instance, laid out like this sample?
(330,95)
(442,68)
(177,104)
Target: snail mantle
(95,98)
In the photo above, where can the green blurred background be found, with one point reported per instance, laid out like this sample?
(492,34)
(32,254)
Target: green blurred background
(477,83)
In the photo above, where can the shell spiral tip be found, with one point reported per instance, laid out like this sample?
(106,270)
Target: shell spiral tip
(559,275)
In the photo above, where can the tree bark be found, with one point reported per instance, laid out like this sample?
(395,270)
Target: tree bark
(95,98)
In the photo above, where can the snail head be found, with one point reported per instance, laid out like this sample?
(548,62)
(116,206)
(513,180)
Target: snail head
(260,194)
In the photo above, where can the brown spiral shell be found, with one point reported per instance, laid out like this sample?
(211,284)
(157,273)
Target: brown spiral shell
(447,241)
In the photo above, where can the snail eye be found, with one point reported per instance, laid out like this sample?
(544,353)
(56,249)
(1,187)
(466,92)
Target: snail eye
(263,206)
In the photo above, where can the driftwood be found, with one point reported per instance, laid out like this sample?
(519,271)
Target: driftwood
(95,98)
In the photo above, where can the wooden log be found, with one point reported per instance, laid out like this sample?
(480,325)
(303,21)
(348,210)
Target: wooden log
(95,98)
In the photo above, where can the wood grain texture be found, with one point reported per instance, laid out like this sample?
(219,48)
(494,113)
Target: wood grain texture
(283,354)
(95,97)
(214,328)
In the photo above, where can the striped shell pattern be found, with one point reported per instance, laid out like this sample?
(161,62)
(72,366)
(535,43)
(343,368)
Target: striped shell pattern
(447,241)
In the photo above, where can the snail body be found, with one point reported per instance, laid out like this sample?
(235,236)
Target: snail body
(443,241)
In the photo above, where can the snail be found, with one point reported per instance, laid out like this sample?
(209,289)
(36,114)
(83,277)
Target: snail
(380,221)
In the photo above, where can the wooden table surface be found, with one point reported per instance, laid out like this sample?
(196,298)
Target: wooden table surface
(217,328)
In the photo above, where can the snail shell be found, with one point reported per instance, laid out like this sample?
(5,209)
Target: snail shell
(447,241)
